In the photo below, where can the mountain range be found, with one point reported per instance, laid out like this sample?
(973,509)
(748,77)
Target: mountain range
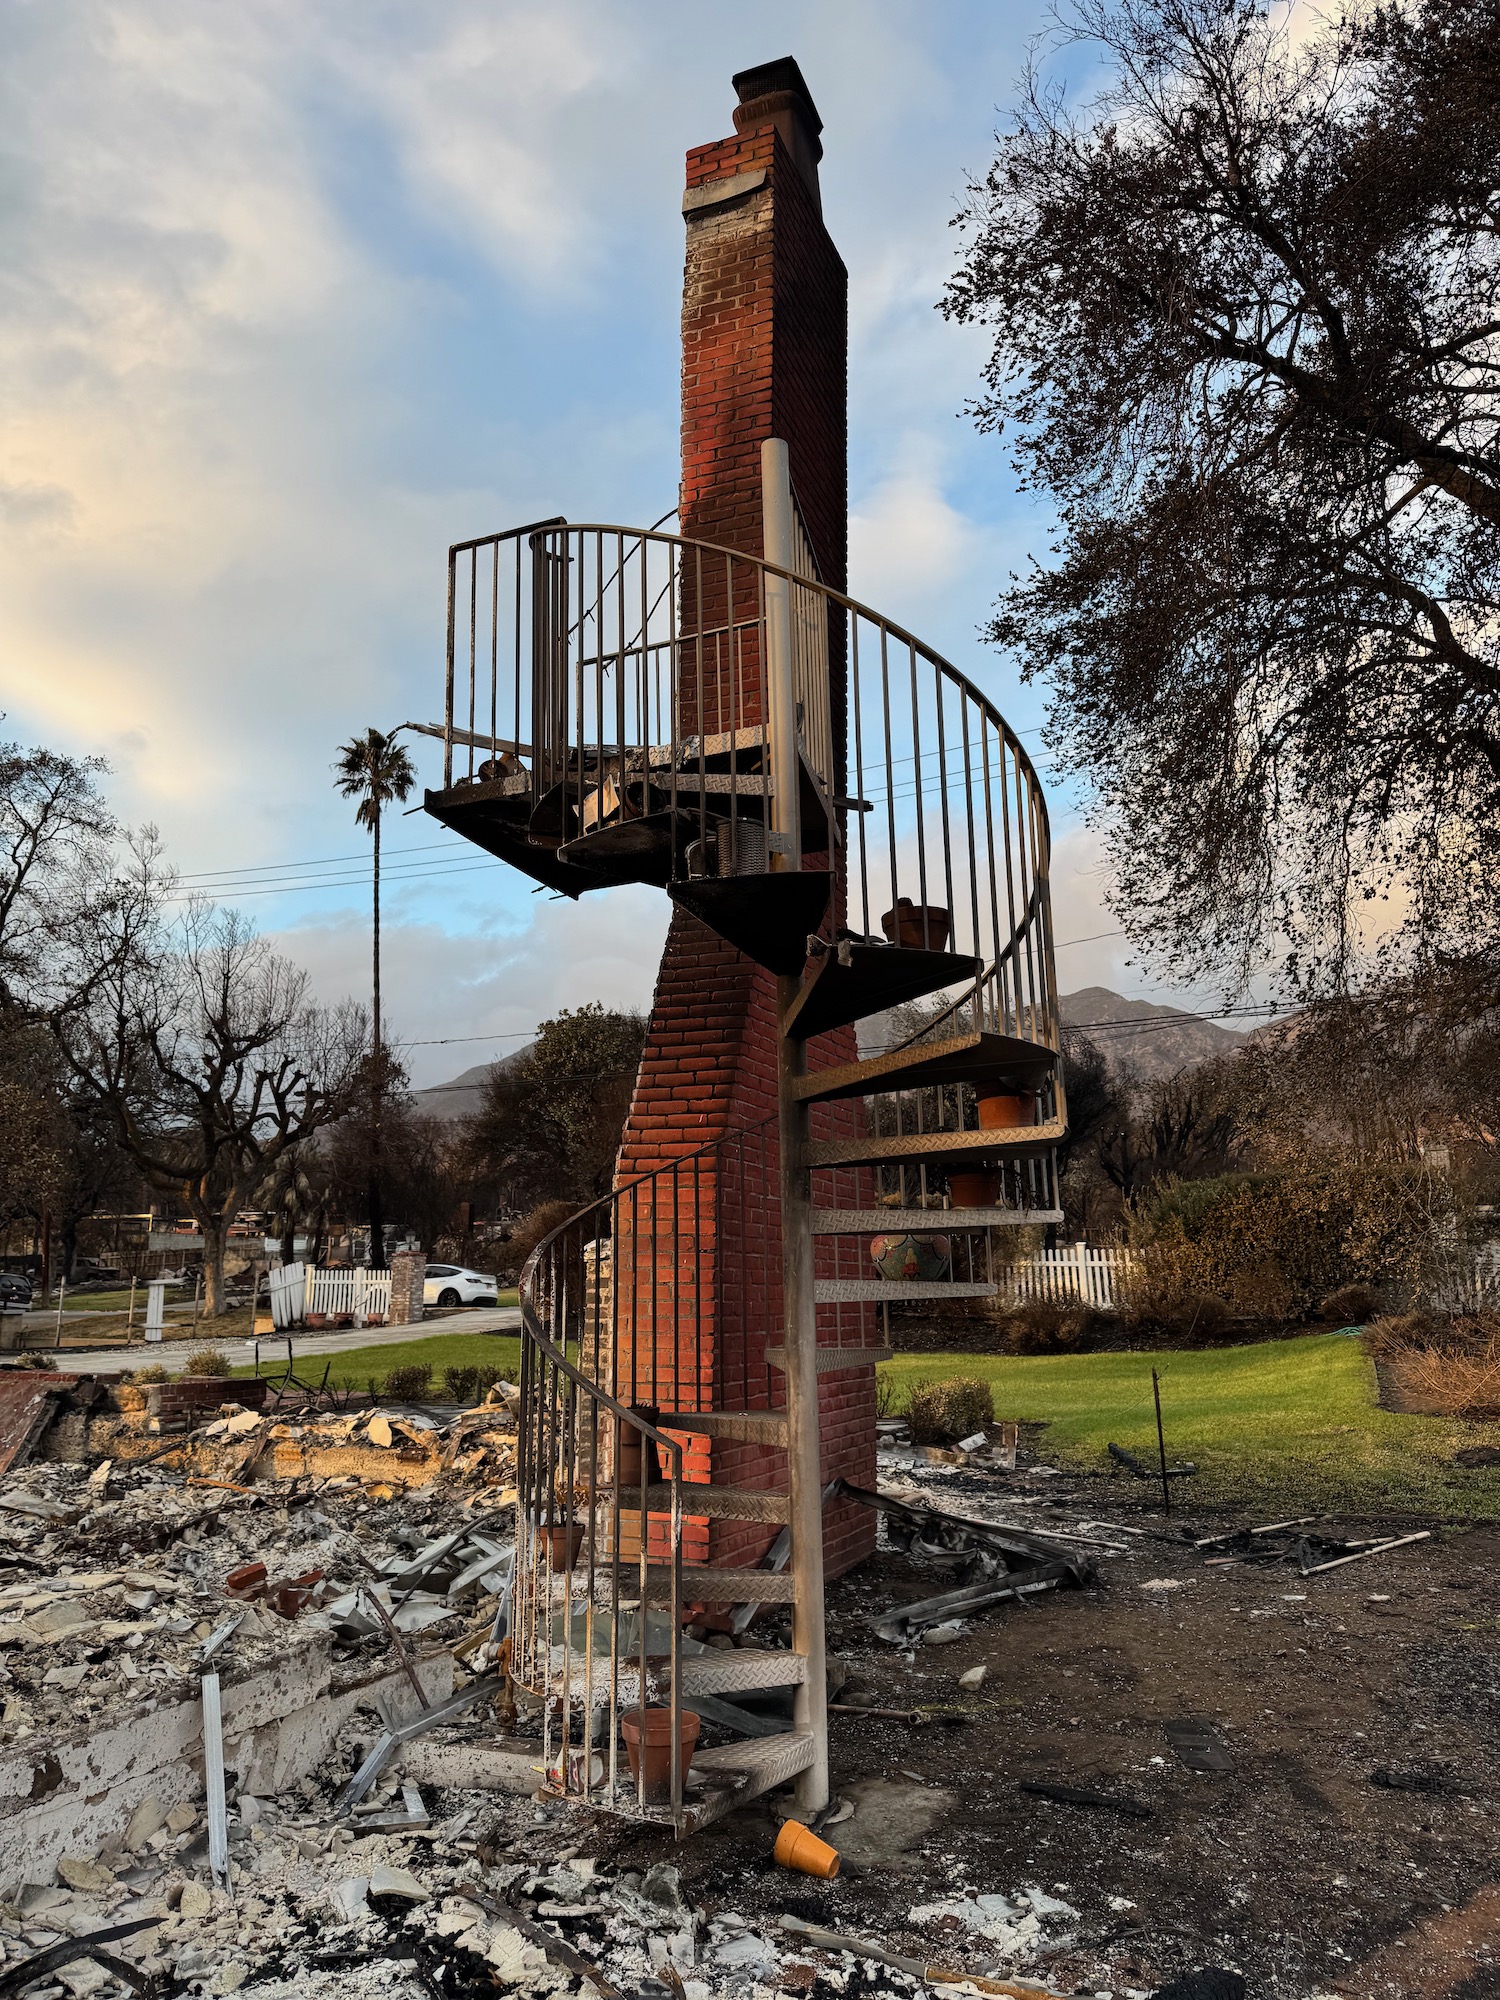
(1139,1035)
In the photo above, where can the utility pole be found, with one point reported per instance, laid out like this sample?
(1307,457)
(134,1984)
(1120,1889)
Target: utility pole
(804,1445)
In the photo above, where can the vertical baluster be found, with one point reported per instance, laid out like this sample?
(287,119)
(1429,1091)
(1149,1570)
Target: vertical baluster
(448,681)
(517,737)
(916,759)
(890,762)
(1012,934)
(859,777)
(942,765)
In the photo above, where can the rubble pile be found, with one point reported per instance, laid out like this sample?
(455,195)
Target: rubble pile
(111,1586)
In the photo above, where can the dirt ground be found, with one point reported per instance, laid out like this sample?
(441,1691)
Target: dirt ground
(1294,1867)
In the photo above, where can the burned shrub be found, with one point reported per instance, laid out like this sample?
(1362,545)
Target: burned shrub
(1350,1305)
(211,1361)
(462,1384)
(941,1412)
(409,1384)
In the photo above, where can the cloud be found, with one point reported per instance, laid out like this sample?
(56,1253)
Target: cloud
(293,296)
(498,979)
(905,537)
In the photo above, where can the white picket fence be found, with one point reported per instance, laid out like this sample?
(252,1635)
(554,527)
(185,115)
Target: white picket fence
(1075,1274)
(299,1289)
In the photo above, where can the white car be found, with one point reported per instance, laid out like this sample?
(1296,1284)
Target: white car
(455,1285)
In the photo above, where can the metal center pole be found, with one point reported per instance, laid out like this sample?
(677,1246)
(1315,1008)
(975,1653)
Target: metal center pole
(800,1335)
(804,1447)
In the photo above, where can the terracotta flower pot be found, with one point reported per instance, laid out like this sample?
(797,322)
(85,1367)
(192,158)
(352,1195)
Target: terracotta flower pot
(1004,1114)
(980,1189)
(648,1741)
(905,926)
(564,1540)
(797,1846)
(638,1460)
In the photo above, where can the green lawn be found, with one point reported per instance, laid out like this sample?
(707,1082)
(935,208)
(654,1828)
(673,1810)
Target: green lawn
(359,1365)
(1292,1424)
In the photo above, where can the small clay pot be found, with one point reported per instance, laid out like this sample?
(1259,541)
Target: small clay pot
(905,925)
(799,1847)
(564,1540)
(637,1452)
(980,1189)
(1005,1114)
(648,1742)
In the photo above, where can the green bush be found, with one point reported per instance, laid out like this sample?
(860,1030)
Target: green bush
(462,1385)
(411,1384)
(208,1361)
(942,1412)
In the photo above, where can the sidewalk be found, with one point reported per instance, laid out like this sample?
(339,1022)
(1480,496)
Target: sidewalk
(172,1355)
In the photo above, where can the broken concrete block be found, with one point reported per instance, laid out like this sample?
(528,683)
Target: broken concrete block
(349,1898)
(84,1978)
(181,1817)
(196,1903)
(974,1678)
(80,1872)
(396,1882)
(148,1817)
(56,1621)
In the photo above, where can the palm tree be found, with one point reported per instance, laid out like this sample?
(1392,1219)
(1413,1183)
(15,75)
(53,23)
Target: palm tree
(375,769)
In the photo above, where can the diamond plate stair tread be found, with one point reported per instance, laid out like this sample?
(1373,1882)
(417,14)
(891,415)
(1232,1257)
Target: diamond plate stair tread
(702,1585)
(883,1221)
(831,1360)
(741,1426)
(707,1502)
(870,1149)
(738,1772)
(977,1058)
(735,1773)
(742,1670)
(767,917)
(896,1291)
(478,814)
(877,976)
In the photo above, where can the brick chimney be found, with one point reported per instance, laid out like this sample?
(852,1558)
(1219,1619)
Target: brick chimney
(764,354)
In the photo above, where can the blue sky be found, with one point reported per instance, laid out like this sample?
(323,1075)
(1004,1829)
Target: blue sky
(295,293)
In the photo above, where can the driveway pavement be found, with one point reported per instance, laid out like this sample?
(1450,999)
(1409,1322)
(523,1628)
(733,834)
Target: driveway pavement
(173,1354)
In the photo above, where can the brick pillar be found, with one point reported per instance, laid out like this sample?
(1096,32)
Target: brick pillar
(408,1277)
(764,354)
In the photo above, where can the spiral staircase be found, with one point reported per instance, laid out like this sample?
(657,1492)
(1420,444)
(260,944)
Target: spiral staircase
(833,798)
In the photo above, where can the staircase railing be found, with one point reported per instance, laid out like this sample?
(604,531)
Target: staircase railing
(608,678)
(663,1298)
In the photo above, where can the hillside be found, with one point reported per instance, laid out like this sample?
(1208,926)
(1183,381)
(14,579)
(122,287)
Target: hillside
(462,1096)
(1152,1041)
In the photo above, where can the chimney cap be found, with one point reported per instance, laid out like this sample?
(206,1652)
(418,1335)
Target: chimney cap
(782,77)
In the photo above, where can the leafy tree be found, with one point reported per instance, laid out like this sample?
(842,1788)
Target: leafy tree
(550,1124)
(376,770)
(1245,312)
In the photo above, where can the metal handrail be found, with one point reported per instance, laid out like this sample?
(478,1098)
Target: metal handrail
(587,1638)
(639,642)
